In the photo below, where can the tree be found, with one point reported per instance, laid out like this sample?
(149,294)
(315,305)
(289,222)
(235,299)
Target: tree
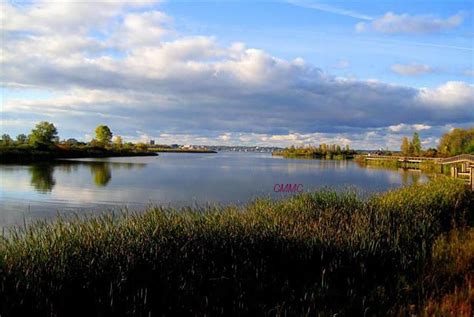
(44,134)
(72,141)
(141,147)
(118,141)
(405,147)
(21,139)
(103,134)
(458,141)
(6,139)
(416,143)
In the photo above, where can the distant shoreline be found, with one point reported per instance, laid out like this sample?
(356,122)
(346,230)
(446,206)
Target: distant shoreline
(29,155)
(165,150)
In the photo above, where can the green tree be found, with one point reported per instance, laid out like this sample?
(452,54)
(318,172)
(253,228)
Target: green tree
(103,134)
(72,141)
(458,141)
(6,139)
(44,134)
(405,147)
(118,142)
(21,139)
(416,142)
(141,147)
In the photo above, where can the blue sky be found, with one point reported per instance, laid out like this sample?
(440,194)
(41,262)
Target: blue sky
(363,73)
(288,29)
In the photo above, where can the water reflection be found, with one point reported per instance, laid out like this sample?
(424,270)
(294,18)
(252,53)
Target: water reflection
(172,179)
(102,173)
(407,176)
(42,175)
(42,178)
(410,177)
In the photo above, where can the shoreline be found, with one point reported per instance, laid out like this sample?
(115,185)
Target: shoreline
(164,150)
(33,156)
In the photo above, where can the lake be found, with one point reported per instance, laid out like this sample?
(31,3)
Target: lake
(69,187)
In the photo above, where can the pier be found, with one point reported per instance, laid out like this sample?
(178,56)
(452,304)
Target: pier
(462,166)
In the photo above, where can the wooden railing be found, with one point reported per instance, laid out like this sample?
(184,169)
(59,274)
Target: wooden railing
(400,158)
(448,160)
(457,159)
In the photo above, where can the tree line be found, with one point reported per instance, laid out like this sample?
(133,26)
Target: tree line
(457,141)
(45,136)
(321,151)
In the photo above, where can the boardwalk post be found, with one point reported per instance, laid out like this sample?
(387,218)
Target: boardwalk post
(471,179)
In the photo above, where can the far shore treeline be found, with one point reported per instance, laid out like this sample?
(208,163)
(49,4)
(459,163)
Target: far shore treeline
(457,141)
(324,151)
(43,143)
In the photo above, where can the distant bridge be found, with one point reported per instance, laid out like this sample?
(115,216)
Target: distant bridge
(462,166)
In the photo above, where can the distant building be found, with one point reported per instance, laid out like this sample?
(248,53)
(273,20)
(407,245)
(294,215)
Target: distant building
(152,142)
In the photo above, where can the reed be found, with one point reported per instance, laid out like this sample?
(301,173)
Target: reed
(315,253)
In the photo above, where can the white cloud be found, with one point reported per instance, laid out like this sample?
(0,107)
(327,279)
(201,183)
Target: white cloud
(411,69)
(450,95)
(402,127)
(420,127)
(392,23)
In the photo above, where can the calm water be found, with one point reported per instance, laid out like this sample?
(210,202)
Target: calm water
(41,191)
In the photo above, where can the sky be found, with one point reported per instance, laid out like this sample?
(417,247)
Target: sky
(268,73)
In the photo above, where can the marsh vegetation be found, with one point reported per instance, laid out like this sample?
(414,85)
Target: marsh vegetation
(316,253)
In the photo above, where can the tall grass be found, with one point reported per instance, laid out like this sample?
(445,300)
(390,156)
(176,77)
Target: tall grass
(317,253)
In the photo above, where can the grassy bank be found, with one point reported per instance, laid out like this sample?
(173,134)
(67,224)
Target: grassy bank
(316,253)
(31,154)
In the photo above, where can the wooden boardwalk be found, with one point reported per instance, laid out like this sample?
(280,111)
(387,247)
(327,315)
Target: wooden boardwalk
(462,166)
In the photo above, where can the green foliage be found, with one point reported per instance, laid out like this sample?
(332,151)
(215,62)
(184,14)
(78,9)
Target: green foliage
(118,143)
(72,141)
(331,151)
(319,253)
(21,139)
(458,141)
(405,147)
(103,134)
(43,135)
(43,145)
(416,143)
(6,139)
(141,147)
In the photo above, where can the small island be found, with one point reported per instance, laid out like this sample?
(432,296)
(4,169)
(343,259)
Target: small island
(44,144)
(323,151)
